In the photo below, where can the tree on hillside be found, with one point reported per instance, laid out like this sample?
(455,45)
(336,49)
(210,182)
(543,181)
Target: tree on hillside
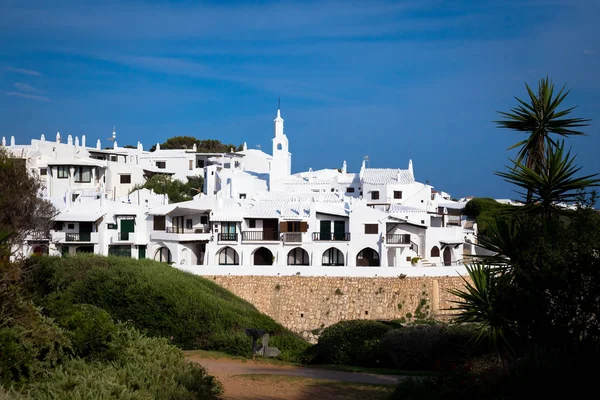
(202,146)
(22,211)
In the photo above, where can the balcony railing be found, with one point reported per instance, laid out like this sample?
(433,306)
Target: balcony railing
(397,239)
(39,236)
(338,237)
(228,237)
(260,236)
(78,237)
(175,229)
(292,237)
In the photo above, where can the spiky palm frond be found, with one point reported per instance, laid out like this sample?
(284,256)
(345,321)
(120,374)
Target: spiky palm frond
(478,303)
(539,118)
(554,184)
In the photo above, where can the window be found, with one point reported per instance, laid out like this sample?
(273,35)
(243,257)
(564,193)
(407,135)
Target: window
(204,219)
(83,174)
(227,165)
(375,195)
(74,197)
(113,158)
(350,190)
(191,164)
(228,256)
(397,194)
(332,257)
(161,164)
(279,146)
(294,226)
(251,223)
(43,171)
(159,222)
(298,256)
(125,178)
(242,195)
(199,163)
(62,172)
(435,251)
(371,229)
(111,226)
(70,226)
(188,224)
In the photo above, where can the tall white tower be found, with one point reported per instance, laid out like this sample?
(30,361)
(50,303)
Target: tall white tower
(281,166)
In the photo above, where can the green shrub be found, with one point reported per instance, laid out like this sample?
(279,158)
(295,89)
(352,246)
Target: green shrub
(425,346)
(351,342)
(292,347)
(145,368)
(90,329)
(163,301)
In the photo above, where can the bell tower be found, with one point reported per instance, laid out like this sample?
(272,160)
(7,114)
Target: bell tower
(281,166)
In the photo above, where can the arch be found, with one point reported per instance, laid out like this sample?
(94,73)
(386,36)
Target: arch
(367,258)
(263,256)
(447,256)
(333,257)
(228,256)
(163,254)
(435,251)
(279,146)
(40,250)
(298,256)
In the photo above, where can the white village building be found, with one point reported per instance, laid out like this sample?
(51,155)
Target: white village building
(253,211)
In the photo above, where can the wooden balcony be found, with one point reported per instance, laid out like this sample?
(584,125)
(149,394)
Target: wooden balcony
(331,237)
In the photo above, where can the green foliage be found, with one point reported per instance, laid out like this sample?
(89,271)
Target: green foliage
(195,312)
(426,346)
(539,119)
(353,342)
(202,146)
(144,368)
(177,190)
(488,213)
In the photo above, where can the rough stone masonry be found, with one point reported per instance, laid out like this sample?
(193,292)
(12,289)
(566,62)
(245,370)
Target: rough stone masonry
(305,305)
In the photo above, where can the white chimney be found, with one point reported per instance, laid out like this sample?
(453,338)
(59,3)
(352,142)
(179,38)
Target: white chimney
(12,141)
(98,145)
(57,137)
(76,141)
(82,140)
(3,141)
(70,140)
(43,138)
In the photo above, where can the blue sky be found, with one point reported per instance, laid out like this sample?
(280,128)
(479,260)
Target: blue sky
(396,80)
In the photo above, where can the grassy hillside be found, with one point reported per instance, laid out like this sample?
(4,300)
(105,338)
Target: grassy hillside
(192,312)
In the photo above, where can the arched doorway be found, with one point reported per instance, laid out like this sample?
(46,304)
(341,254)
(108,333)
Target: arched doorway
(263,256)
(367,258)
(228,256)
(184,257)
(447,256)
(163,254)
(333,257)
(435,251)
(298,256)
(40,250)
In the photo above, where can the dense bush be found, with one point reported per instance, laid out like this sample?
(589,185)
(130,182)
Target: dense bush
(189,310)
(427,346)
(354,342)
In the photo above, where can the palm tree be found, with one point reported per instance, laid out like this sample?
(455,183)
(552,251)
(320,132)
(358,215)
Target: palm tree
(539,118)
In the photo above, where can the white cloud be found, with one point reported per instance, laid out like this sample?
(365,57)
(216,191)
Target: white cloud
(22,71)
(24,87)
(27,96)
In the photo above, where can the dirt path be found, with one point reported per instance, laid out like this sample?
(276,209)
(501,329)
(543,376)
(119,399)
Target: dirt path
(253,381)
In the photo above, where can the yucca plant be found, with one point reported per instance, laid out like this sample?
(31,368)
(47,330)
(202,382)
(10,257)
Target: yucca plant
(478,303)
(539,118)
(553,184)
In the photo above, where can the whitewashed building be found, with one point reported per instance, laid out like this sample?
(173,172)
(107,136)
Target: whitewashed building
(253,211)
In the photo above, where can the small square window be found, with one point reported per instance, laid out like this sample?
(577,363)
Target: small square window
(397,194)
(242,195)
(125,178)
(111,226)
(204,219)
(350,190)
(62,172)
(188,224)
(251,223)
(375,195)
(43,171)
(70,226)
(371,229)
(161,164)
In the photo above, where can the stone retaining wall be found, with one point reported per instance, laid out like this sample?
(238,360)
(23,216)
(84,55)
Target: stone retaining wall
(305,304)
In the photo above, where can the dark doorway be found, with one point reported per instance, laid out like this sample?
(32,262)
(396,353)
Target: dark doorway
(263,256)
(85,231)
(447,256)
(270,227)
(339,230)
(367,258)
